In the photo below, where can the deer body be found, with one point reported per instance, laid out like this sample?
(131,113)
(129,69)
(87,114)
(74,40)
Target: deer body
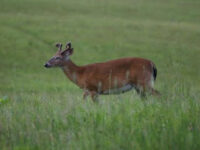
(111,77)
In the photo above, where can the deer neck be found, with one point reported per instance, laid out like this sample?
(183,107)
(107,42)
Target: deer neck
(71,70)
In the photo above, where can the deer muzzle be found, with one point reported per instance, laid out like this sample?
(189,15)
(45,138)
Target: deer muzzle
(47,65)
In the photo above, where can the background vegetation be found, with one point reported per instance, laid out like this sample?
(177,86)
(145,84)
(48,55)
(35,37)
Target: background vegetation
(41,109)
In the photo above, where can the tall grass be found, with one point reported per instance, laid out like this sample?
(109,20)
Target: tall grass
(45,121)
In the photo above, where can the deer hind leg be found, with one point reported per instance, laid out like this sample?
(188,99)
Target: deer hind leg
(141,91)
(154,92)
(149,88)
(146,86)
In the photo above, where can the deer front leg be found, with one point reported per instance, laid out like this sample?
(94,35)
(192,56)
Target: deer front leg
(94,96)
(85,95)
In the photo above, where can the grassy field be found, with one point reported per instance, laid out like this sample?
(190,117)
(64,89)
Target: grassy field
(40,109)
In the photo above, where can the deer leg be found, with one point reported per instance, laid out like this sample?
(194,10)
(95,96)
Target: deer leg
(151,90)
(85,95)
(141,92)
(155,92)
(94,96)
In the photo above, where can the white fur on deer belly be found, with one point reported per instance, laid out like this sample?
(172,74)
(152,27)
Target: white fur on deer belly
(119,90)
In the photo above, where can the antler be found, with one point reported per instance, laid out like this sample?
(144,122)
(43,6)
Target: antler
(59,46)
(68,45)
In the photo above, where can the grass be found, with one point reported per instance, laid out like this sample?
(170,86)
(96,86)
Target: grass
(42,109)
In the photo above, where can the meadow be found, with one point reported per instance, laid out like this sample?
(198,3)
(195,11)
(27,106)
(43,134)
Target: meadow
(40,109)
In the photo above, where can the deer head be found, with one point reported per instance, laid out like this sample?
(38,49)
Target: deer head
(59,59)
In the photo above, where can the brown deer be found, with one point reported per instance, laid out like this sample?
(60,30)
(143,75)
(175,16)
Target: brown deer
(111,77)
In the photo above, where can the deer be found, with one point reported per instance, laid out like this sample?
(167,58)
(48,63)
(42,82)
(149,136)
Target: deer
(111,77)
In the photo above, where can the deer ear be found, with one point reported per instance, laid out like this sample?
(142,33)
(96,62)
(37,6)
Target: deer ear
(68,45)
(59,46)
(67,52)
(71,51)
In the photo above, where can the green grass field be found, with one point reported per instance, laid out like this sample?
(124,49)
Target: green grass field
(40,109)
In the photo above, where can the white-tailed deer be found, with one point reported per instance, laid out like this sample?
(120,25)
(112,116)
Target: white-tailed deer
(111,77)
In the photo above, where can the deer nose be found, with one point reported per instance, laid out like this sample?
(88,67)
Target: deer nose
(47,65)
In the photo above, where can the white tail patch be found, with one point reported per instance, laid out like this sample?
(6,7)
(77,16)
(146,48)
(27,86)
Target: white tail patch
(152,81)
